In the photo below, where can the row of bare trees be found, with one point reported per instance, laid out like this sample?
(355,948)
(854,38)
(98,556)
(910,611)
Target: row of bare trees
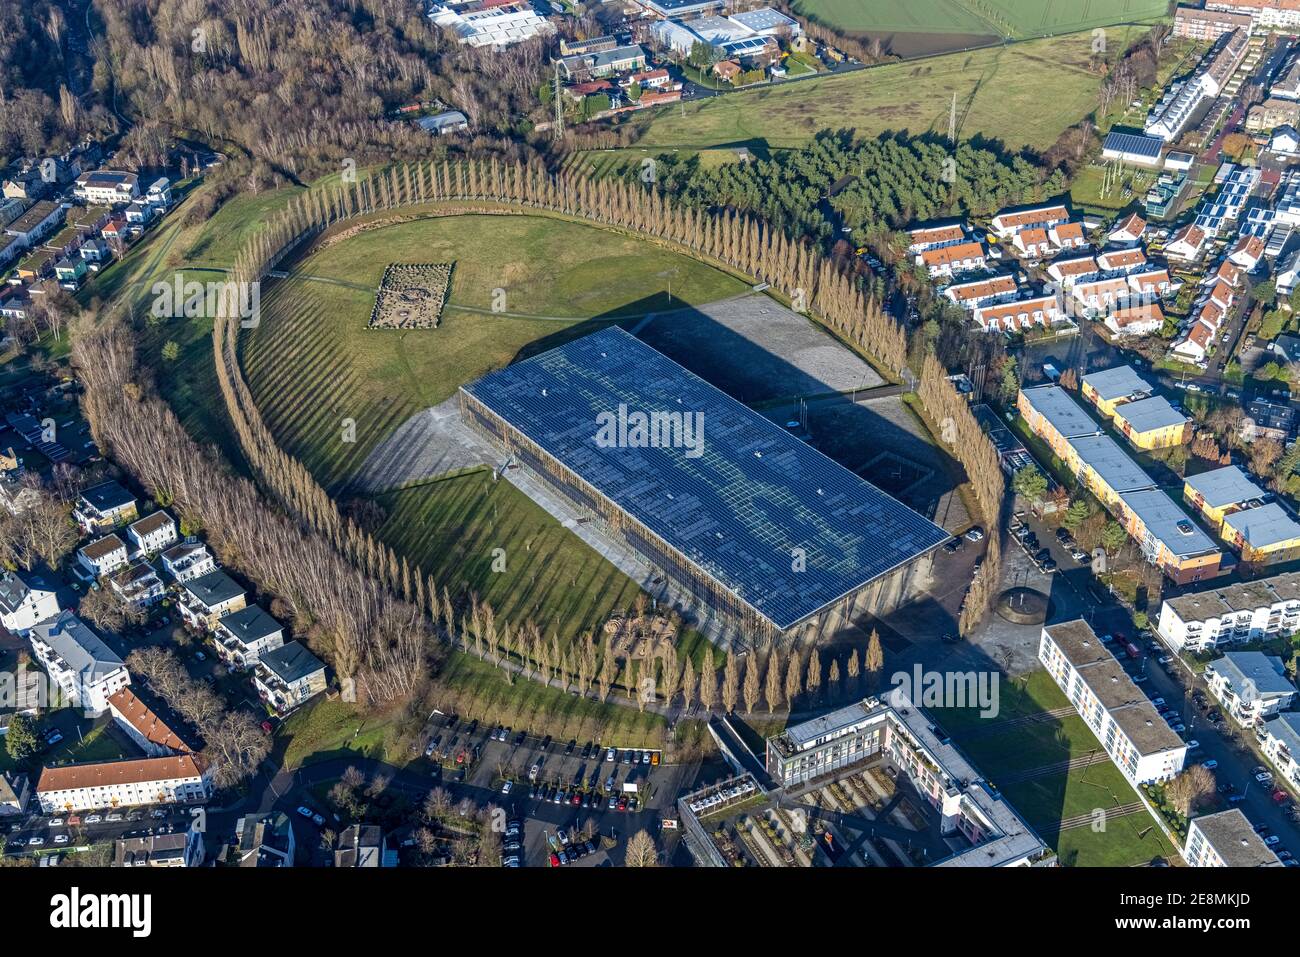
(234,745)
(368,634)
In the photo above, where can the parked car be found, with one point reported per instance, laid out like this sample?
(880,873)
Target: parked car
(611,755)
(60,839)
(974,534)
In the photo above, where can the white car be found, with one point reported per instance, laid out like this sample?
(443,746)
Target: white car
(974,534)
(36,841)
(93,819)
(56,822)
(1210,765)
(1263,777)
(507,787)
(60,839)
(1193,745)
(1272,839)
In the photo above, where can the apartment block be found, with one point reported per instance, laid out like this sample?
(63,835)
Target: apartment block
(1126,723)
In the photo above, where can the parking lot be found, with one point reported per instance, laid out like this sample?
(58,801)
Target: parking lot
(590,788)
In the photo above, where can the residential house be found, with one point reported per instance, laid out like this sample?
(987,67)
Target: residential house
(138,214)
(180,849)
(982,292)
(152,533)
(363,845)
(1250,685)
(1208,23)
(1167,536)
(1141,319)
(107,187)
(205,599)
(1246,252)
(1010,222)
(1264,534)
(159,194)
(1128,229)
(243,636)
(1226,839)
(103,556)
(1285,141)
(1219,492)
(25,599)
(1018,315)
(288,676)
(15,792)
(78,662)
(175,779)
(104,506)
(1121,260)
(264,842)
(187,561)
(1152,423)
(1066,272)
(138,584)
(31,228)
(153,735)
(952,258)
(1098,296)
(1187,243)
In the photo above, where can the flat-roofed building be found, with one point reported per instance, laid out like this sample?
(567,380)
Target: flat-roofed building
(1279,738)
(1226,839)
(1112,387)
(1251,685)
(1055,418)
(1168,537)
(205,599)
(1219,492)
(1248,611)
(1264,534)
(892,728)
(716,502)
(1138,740)
(1106,470)
(244,636)
(1152,423)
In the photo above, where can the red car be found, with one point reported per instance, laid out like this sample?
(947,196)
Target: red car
(622,804)
(555,860)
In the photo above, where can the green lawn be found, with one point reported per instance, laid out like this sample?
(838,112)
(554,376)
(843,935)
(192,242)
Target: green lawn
(329,729)
(451,527)
(1024,94)
(313,363)
(1000,749)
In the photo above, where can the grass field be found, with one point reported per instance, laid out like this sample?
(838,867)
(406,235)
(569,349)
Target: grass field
(1024,94)
(1009,18)
(450,527)
(313,363)
(1000,749)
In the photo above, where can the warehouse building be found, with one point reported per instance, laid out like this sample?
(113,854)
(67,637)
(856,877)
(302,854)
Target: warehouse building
(767,533)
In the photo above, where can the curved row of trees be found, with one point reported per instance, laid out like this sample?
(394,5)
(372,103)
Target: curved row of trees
(368,613)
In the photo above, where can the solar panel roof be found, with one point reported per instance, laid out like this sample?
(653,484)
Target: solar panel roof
(1135,144)
(740,508)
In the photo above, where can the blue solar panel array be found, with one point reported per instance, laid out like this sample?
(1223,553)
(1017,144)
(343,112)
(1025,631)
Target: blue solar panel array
(744,510)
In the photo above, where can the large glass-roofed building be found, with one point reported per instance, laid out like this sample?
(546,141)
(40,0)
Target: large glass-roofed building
(762,527)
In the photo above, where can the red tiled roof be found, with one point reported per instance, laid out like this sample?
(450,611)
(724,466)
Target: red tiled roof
(113,773)
(136,713)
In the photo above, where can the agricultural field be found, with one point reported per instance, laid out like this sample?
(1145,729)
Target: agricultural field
(889,16)
(1006,18)
(312,363)
(1023,94)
